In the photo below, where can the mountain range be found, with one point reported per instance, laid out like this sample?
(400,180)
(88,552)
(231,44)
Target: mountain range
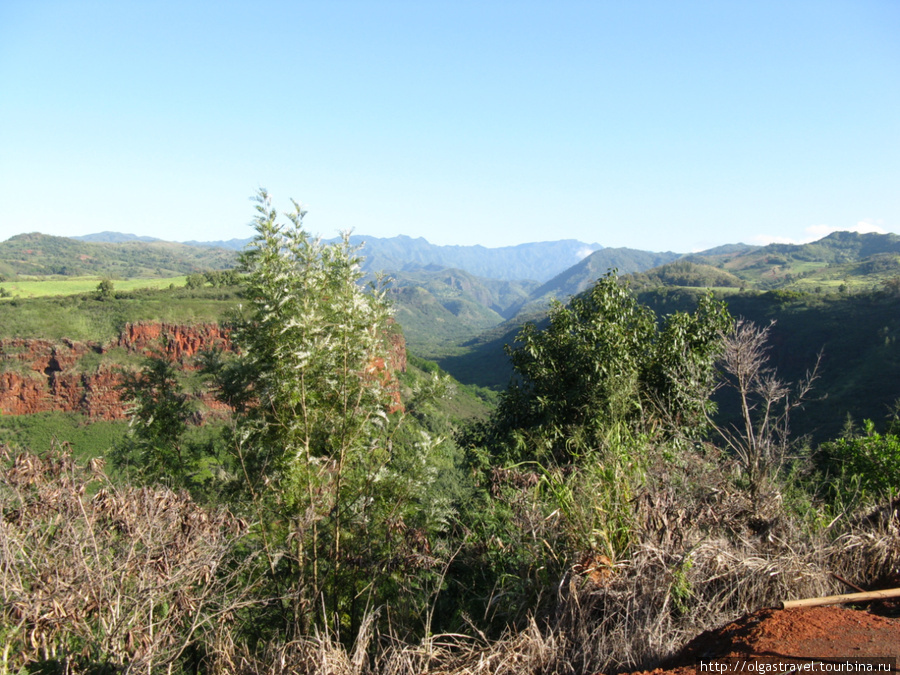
(539,261)
(447,295)
(840,293)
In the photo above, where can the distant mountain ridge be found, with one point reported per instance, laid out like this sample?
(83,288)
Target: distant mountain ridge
(538,261)
(42,254)
(232,244)
(584,274)
(108,237)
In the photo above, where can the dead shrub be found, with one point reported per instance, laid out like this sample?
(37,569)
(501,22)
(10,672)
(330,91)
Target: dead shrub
(91,574)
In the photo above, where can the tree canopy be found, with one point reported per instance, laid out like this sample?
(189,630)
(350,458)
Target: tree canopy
(605,360)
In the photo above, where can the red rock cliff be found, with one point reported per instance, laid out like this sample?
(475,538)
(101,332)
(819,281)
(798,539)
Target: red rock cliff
(41,375)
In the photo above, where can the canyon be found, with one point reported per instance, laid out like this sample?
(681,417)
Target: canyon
(84,377)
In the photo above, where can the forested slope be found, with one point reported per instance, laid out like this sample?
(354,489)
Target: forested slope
(41,254)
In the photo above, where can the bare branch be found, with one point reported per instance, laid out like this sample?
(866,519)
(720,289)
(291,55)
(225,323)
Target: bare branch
(762,440)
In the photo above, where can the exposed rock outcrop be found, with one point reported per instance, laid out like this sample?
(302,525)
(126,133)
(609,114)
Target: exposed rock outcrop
(69,376)
(179,342)
(41,375)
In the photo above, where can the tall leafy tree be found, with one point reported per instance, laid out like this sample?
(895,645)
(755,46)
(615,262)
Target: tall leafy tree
(155,450)
(314,444)
(603,362)
(312,340)
(105,289)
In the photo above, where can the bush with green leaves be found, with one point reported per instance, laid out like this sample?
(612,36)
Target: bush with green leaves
(347,502)
(164,445)
(603,364)
(867,463)
(159,416)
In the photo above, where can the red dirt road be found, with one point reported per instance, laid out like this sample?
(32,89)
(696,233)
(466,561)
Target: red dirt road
(798,636)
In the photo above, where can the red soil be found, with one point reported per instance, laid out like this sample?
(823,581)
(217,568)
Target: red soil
(793,636)
(48,377)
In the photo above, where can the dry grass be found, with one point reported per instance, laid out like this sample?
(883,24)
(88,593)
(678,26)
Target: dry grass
(92,574)
(707,554)
(704,554)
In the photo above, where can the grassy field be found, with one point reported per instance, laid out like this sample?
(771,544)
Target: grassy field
(39,432)
(38,287)
(86,317)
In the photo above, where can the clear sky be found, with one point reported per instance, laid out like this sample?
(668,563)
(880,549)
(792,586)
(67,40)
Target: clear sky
(656,125)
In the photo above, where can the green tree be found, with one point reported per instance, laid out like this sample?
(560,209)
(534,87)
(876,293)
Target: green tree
(347,512)
(105,289)
(194,281)
(680,375)
(155,450)
(602,363)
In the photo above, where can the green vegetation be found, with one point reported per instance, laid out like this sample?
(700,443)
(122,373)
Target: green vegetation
(105,289)
(862,466)
(855,334)
(441,308)
(90,318)
(112,358)
(857,261)
(686,273)
(460,404)
(155,450)
(40,432)
(590,517)
(27,287)
(42,255)
(603,364)
(433,325)
(337,484)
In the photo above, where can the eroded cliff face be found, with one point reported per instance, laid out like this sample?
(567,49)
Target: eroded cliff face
(68,376)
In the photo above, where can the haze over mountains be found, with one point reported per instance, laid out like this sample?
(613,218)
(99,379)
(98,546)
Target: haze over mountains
(539,261)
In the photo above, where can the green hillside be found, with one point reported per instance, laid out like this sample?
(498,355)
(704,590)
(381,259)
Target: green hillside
(440,308)
(842,258)
(432,324)
(856,334)
(43,255)
(686,273)
(87,317)
(448,285)
(585,273)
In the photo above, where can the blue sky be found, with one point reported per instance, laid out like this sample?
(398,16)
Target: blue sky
(655,125)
